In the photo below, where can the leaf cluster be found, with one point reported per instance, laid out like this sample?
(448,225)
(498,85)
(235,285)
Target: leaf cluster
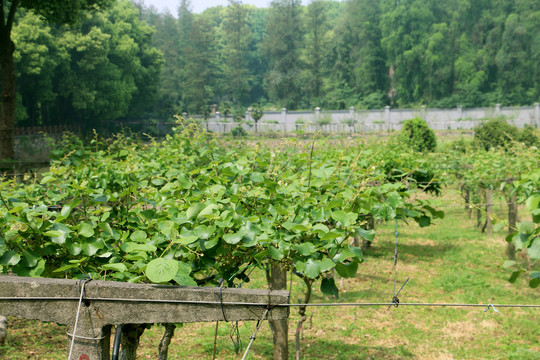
(194,209)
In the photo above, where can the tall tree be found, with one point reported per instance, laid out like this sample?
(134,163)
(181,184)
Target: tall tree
(236,52)
(360,61)
(281,46)
(315,42)
(200,69)
(58,11)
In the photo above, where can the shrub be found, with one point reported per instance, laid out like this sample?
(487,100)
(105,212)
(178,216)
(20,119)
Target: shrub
(495,133)
(417,135)
(528,137)
(238,132)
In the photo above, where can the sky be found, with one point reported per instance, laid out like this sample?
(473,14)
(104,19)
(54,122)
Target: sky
(199,6)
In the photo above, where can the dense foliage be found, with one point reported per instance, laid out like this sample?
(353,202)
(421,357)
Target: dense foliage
(100,69)
(498,133)
(329,54)
(417,135)
(193,210)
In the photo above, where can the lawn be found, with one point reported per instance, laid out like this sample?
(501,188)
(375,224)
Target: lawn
(448,262)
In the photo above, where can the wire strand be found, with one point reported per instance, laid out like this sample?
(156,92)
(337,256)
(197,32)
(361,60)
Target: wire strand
(233,303)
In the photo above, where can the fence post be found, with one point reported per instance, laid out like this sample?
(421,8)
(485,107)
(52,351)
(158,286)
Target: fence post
(537,113)
(284,115)
(317,113)
(489,211)
(497,109)
(387,116)
(512,221)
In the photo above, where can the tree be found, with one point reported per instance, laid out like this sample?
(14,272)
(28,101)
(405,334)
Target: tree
(281,46)
(53,10)
(200,70)
(417,135)
(236,51)
(316,27)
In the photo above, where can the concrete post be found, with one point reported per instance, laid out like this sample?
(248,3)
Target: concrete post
(537,113)
(283,115)
(497,109)
(460,112)
(387,116)
(184,115)
(317,113)
(108,303)
(351,112)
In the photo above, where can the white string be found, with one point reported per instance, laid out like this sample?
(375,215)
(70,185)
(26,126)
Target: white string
(84,281)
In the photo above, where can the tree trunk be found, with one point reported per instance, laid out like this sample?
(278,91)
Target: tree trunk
(489,211)
(512,221)
(277,280)
(165,341)
(131,334)
(7,112)
(3,330)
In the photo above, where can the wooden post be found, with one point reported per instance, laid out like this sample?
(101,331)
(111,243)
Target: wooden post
(277,280)
(489,211)
(512,221)
(108,303)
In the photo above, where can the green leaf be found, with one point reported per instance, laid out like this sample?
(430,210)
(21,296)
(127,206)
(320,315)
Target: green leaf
(347,270)
(331,235)
(166,227)
(305,249)
(35,271)
(186,240)
(534,249)
(509,263)
(526,227)
(194,210)
(138,236)
(10,258)
(53,233)
(312,270)
(134,247)
(300,228)
(357,252)
(345,218)
(47,179)
(234,238)
(535,279)
(182,276)
(326,264)
(276,254)
(161,270)
(328,287)
(424,221)
(533,202)
(320,229)
(515,276)
(368,235)
(29,259)
(120,267)
(207,211)
(86,230)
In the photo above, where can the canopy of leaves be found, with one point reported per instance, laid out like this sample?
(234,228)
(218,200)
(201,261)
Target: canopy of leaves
(417,135)
(192,210)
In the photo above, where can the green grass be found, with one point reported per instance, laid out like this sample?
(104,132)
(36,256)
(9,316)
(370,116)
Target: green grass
(450,261)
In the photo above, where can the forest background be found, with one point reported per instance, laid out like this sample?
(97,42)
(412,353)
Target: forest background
(131,61)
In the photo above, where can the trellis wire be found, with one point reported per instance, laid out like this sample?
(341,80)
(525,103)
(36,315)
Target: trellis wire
(252,337)
(233,303)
